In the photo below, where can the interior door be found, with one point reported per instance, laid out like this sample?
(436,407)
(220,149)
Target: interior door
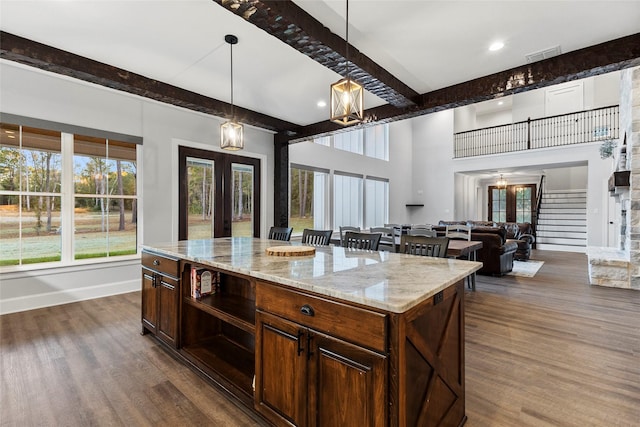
(219,194)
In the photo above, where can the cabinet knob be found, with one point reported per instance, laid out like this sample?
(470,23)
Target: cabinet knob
(156,262)
(307,310)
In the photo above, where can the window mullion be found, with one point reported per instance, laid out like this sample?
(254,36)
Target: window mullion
(68,201)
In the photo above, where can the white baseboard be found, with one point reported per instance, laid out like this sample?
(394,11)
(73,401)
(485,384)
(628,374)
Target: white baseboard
(31,302)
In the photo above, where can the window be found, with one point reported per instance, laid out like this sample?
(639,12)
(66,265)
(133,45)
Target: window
(376,202)
(372,141)
(376,140)
(308,198)
(349,141)
(30,195)
(105,208)
(347,200)
(323,140)
(65,196)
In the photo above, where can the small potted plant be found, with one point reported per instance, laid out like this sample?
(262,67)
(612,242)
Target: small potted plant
(606,149)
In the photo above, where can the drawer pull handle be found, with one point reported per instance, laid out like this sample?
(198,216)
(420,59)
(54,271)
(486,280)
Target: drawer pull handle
(307,310)
(156,262)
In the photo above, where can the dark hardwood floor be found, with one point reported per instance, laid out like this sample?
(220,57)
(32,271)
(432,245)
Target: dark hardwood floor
(544,351)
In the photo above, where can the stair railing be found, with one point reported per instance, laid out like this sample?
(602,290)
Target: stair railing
(536,214)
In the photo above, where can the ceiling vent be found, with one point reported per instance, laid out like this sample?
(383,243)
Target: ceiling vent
(543,54)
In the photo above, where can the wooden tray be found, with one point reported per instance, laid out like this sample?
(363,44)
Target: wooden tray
(290,250)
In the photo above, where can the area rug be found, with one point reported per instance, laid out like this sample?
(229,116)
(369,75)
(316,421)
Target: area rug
(525,268)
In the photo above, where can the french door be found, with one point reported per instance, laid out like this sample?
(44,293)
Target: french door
(219,195)
(513,203)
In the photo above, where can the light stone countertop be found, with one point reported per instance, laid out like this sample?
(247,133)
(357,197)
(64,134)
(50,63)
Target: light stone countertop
(384,280)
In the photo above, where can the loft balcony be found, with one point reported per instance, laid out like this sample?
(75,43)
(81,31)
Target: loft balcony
(600,124)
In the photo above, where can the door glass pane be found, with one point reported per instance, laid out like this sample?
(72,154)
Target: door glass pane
(242,200)
(523,204)
(201,198)
(499,205)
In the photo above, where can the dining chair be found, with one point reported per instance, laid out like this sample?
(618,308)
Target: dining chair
(421,226)
(422,232)
(344,229)
(424,246)
(316,237)
(280,233)
(388,240)
(458,231)
(357,240)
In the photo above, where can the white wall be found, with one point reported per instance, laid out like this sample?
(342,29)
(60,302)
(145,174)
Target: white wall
(569,178)
(38,94)
(432,160)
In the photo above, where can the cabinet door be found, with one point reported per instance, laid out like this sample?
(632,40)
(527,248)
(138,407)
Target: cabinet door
(149,302)
(347,384)
(167,327)
(281,371)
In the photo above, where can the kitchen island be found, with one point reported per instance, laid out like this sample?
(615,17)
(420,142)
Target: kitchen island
(341,337)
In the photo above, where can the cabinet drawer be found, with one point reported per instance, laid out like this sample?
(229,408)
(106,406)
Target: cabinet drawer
(160,263)
(354,324)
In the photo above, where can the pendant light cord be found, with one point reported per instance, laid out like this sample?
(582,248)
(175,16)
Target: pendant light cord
(232,107)
(347,37)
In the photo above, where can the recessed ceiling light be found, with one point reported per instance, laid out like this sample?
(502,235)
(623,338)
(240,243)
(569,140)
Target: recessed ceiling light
(496,46)
(321,104)
(500,102)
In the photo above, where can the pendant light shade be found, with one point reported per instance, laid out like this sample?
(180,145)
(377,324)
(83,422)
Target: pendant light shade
(231,136)
(502,183)
(231,132)
(347,106)
(346,102)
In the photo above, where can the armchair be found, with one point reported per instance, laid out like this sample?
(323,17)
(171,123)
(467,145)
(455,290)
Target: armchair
(522,234)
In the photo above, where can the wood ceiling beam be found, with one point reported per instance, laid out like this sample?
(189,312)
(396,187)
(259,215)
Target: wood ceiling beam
(591,61)
(289,23)
(44,57)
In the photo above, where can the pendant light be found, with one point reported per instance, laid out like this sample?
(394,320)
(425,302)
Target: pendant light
(231,132)
(502,183)
(346,94)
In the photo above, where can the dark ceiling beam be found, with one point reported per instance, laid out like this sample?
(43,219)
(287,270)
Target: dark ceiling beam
(591,61)
(38,55)
(289,23)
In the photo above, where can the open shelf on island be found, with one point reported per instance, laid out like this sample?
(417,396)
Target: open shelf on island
(223,357)
(233,309)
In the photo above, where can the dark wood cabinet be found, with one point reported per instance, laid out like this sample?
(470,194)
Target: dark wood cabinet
(306,377)
(314,360)
(160,296)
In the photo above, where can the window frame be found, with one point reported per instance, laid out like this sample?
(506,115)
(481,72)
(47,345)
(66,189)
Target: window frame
(67,193)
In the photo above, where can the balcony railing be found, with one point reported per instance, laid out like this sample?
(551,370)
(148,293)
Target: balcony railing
(576,128)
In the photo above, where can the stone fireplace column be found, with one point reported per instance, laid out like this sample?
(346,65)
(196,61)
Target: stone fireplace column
(620,267)
(630,102)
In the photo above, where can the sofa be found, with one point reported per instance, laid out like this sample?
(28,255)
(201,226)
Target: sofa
(497,251)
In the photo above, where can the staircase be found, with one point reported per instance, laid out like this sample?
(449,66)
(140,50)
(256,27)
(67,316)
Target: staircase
(562,223)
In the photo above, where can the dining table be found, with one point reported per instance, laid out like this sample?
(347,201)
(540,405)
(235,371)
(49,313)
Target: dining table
(465,249)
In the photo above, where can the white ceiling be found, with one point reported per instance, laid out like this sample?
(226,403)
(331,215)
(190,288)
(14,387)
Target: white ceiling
(426,44)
